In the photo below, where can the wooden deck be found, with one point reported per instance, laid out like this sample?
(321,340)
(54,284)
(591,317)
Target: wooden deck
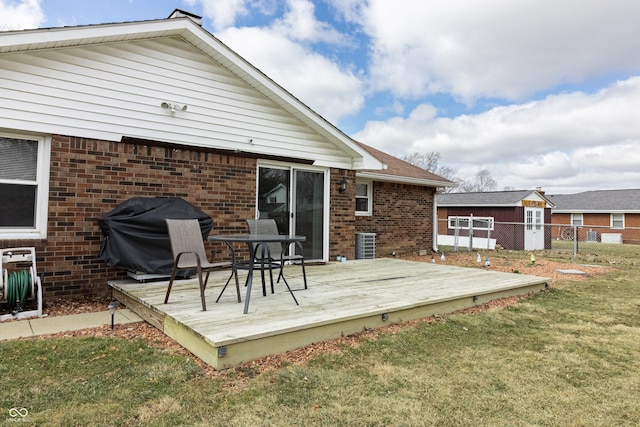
(342,299)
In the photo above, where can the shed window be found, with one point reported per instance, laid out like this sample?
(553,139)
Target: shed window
(24,170)
(617,220)
(478,223)
(364,198)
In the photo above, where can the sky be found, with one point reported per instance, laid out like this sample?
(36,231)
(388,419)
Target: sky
(541,93)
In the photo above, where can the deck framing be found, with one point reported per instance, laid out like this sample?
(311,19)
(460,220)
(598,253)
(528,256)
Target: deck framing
(342,299)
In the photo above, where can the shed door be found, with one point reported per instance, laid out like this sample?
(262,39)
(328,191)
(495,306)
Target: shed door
(533,229)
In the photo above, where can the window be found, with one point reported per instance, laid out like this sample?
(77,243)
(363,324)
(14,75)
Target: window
(617,220)
(576,219)
(363,198)
(24,172)
(479,223)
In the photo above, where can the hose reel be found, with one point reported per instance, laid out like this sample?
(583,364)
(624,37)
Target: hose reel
(19,284)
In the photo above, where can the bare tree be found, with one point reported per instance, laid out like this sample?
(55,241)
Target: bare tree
(482,181)
(427,161)
(430,162)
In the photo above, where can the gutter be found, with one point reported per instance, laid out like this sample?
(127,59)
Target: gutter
(402,179)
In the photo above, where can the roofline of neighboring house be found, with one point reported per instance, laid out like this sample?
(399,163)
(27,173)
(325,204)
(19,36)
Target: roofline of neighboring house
(403,179)
(594,211)
(498,205)
(205,42)
(476,205)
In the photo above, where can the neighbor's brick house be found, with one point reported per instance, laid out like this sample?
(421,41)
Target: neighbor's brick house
(614,213)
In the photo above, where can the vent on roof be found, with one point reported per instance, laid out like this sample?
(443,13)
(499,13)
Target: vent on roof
(177,13)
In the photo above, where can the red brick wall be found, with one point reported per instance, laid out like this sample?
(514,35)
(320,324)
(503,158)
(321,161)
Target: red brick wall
(89,178)
(342,220)
(603,220)
(402,218)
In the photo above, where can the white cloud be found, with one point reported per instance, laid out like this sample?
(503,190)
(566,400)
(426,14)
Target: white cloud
(496,48)
(300,23)
(222,13)
(20,15)
(315,80)
(565,139)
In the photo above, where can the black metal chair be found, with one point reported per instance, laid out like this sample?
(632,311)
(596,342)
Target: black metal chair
(275,254)
(189,253)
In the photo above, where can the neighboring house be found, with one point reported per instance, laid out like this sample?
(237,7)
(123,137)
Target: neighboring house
(601,215)
(511,219)
(94,115)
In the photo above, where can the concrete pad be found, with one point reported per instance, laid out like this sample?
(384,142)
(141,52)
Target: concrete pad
(14,330)
(57,324)
(571,271)
(53,325)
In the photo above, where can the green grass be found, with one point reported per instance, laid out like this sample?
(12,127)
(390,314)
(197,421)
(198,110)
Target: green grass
(569,356)
(597,252)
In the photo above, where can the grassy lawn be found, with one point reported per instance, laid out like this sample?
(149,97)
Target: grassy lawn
(569,356)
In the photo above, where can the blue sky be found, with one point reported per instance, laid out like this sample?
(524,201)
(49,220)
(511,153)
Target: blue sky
(541,93)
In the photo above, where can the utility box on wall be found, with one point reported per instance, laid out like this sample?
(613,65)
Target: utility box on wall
(365,245)
(612,238)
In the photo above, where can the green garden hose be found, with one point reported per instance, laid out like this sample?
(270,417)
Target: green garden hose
(18,287)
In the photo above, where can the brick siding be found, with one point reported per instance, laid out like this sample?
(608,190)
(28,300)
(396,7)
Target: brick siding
(402,219)
(342,220)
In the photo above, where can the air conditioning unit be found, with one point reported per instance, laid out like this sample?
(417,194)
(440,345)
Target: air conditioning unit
(365,245)
(592,236)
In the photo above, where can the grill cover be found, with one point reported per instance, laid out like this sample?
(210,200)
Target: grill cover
(136,236)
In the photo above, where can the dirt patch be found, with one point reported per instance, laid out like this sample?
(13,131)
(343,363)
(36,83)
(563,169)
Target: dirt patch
(509,264)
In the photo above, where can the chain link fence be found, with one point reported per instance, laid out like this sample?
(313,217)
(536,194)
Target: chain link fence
(591,243)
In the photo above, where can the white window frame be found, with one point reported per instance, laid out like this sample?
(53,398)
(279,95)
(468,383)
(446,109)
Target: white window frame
(577,219)
(465,221)
(613,220)
(369,197)
(39,231)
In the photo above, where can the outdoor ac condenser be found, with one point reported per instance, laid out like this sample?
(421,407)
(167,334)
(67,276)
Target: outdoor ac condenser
(365,245)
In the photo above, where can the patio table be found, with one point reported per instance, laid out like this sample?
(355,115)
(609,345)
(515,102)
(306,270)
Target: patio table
(254,241)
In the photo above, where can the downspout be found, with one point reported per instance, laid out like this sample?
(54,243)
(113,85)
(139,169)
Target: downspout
(435,222)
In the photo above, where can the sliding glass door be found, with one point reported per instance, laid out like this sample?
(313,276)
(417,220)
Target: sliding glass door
(296,199)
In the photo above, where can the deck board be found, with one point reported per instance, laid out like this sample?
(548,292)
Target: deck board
(342,298)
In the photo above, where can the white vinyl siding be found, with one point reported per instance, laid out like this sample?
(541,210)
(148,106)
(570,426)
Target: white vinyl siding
(114,90)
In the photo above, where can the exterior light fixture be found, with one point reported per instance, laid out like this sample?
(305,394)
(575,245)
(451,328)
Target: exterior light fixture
(173,107)
(113,307)
(343,184)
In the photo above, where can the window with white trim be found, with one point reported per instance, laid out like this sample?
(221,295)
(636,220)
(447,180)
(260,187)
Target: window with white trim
(24,174)
(617,220)
(576,219)
(364,198)
(464,222)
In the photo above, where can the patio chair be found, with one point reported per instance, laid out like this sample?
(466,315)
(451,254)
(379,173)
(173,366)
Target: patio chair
(189,253)
(276,254)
